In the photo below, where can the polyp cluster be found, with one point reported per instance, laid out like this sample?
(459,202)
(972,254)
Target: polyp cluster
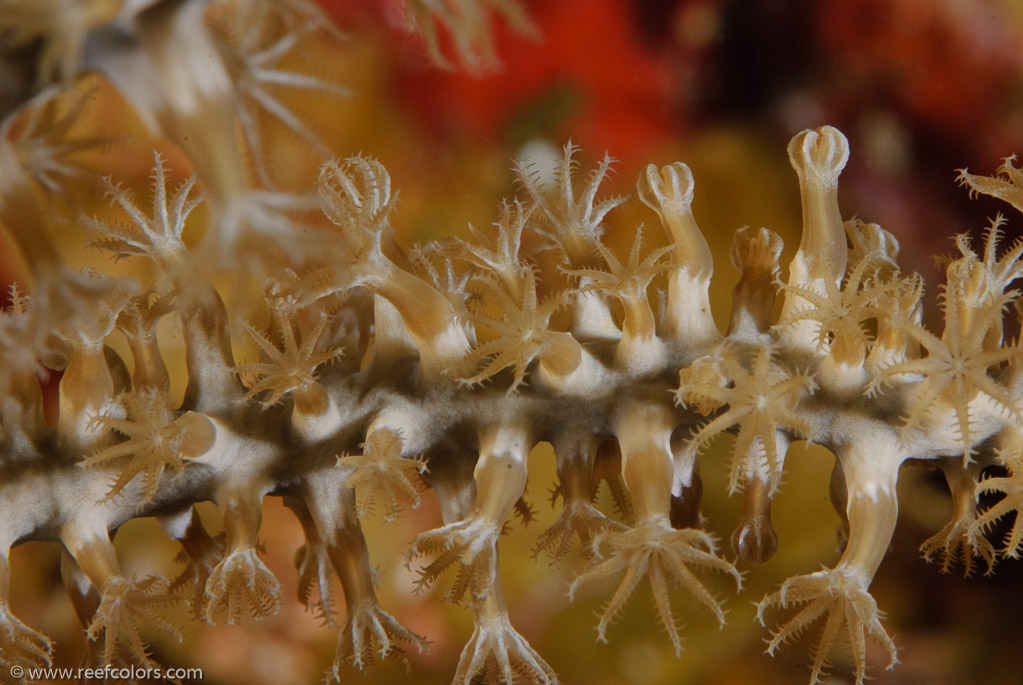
(383,369)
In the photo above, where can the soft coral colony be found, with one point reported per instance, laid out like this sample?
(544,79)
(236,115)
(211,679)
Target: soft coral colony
(383,369)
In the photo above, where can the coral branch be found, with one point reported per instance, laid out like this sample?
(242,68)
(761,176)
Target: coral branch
(463,354)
